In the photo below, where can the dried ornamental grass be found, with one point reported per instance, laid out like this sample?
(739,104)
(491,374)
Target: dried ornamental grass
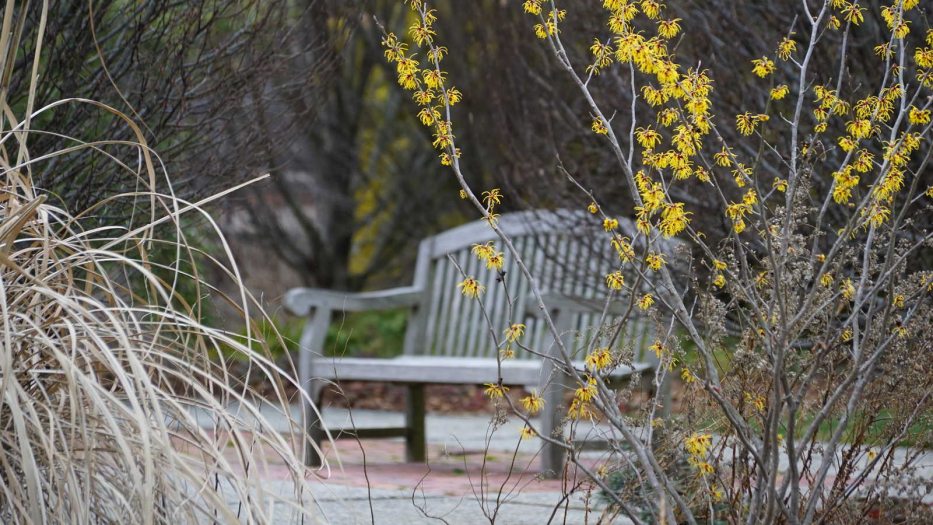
(104,367)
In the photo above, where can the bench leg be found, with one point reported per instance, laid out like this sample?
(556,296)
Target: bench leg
(312,340)
(415,442)
(313,424)
(552,456)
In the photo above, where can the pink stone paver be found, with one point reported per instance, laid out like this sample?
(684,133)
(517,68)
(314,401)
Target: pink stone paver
(446,472)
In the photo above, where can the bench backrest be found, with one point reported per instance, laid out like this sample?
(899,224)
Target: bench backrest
(567,253)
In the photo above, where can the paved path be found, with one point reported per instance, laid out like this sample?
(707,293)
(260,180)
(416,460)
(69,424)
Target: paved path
(466,465)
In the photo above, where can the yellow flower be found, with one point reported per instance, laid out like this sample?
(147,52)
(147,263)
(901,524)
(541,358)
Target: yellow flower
(667,117)
(687,376)
(764,66)
(423,97)
(716,494)
(623,247)
(655,261)
(443,138)
(592,208)
(610,224)
(528,432)
(471,288)
(658,348)
(615,280)
(602,56)
(719,265)
(484,251)
(756,400)
(580,410)
(786,48)
(585,393)
(453,96)
(719,281)
(532,7)
(421,33)
(779,92)
(599,127)
(598,359)
(651,8)
(540,31)
(514,332)
(853,13)
(669,28)
(495,261)
(507,352)
(761,280)
(723,158)
(698,445)
(704,467)
(532,403)
(745,123)
(848,289)
(877,214)
(779,185)
(859,128)
(846,335)
(673,219)
(646,301)
(647,137)
(826,280)
(492,197)
(919,116)
(495,390)
(463,193)
(653,96)
(898,301)
(433,78)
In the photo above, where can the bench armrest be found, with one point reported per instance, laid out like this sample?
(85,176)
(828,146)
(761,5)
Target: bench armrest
(300,301)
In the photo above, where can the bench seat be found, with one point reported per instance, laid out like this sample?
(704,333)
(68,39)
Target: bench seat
(444,370)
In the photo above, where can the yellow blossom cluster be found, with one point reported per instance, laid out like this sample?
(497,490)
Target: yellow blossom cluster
(623,247)
(487,252)
(495,390)
(581,406)
(532,403)
(514,332)
(598,359)
(646,301)
(427,81)
(615,280)
(756,400)
(737,211)
(697,447)
(471,288)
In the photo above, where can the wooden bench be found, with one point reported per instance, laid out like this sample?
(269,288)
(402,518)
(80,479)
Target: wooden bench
(447,339)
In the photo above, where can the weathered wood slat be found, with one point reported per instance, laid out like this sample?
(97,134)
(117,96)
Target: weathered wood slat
(440,370)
